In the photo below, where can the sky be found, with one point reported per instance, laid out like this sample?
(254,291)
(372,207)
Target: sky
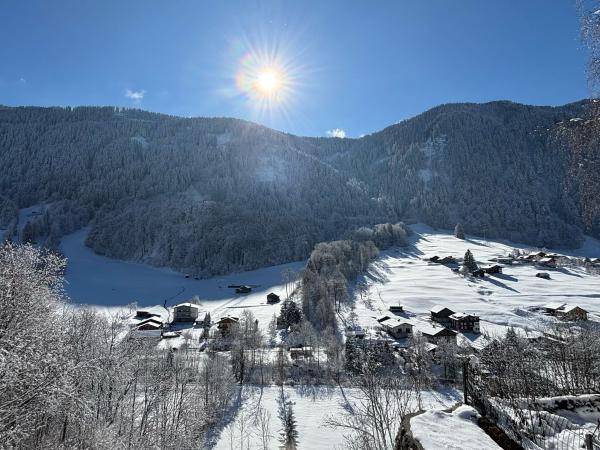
(342,68)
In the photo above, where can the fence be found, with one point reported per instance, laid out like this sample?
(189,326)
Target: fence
(518,398)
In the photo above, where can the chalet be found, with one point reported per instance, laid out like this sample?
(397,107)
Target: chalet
(185,312)
(478,273)
(595,261)
(544,275)
(441,314)
(273,298)
(243,290)
(226,324)
(397,328)
(146,313)
(535,255)
(432,258)
(396,309)
(357,333)
(547,261)
(464,322)
(565,312)
(436,334)
(301,352)
(493,269)
(572,312)
(151,324)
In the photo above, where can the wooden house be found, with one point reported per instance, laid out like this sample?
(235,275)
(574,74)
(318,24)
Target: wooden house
(462,322)
(478,273)
(397,328)
(226,324)
(441,314)
(572,312)
(243,290)
(547,261)
(301,352)
(396,309)
(151,324)
(493,269)
(436,334)
(273,298)
(185,312)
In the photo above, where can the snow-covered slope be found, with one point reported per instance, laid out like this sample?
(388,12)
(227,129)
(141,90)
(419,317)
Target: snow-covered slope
(98,280)
(403,276)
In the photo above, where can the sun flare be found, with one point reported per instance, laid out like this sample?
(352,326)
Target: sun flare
(268,82)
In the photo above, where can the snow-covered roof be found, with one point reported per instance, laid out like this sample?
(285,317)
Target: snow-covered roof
(462,315)
(191,305)
(394,322)
(438,308)
(430,329)
(554,305)
(569,308)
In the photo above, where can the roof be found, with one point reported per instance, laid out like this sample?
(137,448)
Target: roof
(554,305)
(228,319)
(431,330)
(152,321)
(191,305)
(395,322)
(382,318)
(438,309)
(272,294)
(569,308)
(462,315)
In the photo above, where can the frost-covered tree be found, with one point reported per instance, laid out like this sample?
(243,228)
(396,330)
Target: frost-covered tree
(469,262)
(289,433)
(459,232)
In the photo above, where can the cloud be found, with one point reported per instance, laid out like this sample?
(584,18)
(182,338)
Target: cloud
(22,80)
(336,132)
(136,96)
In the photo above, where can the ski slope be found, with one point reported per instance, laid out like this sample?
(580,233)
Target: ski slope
(501,300)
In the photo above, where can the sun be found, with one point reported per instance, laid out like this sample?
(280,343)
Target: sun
(268,82)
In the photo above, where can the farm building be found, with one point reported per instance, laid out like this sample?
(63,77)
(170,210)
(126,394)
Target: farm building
(548,262)
(185,312)
(464,322)
(396,309)
(565,311)
(493,269)
(243,290)
(397,328)
(151,324)
(441,314)
(273,298)
(436,334)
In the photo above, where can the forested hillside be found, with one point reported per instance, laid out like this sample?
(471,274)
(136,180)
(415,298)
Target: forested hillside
(212,196)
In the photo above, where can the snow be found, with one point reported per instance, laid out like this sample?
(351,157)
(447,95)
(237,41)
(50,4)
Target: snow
(501,300)
(97,280)
(457,430)
(312,405)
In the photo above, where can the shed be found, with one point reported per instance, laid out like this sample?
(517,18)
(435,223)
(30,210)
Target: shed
(396,309)
(243,289)
(493,269)
(572,312)
(273,298)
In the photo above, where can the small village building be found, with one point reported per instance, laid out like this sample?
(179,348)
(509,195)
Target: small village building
(396,309)
(493,269)
(145,313)
(478,273)
(446,260)
(185,312)
(441,314)
(595,261)
(301,352)
(565,312)
(504,260)
(572,312)
(544,275)
(462,322)
(226,324)
(273,298)
(397,328)
(355,333)
(535,255)
(548,262)
(243,290)
(151,324)
(436,334)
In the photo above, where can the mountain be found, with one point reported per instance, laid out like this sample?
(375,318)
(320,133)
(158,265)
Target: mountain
(211,196)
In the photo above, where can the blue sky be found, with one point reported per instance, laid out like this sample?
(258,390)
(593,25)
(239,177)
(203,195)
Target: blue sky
(354,65)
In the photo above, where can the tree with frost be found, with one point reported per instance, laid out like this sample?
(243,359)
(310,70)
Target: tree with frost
(459,232)
(289,434)
(469,263)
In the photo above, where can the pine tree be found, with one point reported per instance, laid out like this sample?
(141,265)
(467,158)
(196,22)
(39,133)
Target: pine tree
(289,432)
(459,232)
(469,262)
